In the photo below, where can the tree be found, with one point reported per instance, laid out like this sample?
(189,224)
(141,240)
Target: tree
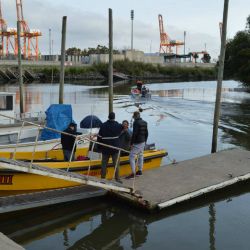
(206,58)
(237,58)
(248,24)
(73,51)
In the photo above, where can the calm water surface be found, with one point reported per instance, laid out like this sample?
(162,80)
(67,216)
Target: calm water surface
(180,117)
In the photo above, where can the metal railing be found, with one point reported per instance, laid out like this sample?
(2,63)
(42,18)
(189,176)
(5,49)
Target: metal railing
(77,139)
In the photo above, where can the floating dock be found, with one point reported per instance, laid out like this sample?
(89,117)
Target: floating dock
(177,183)
(154,190)
(8,244)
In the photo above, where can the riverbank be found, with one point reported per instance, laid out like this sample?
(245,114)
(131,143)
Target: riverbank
(132,70)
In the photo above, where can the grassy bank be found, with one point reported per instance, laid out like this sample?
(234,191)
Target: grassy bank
(136,70)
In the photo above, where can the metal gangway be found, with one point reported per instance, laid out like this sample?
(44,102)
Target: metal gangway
(30,167)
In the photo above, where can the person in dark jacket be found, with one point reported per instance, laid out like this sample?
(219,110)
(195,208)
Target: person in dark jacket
(68,142)
(125,138)
(139,85)
(138,141)
(109,134)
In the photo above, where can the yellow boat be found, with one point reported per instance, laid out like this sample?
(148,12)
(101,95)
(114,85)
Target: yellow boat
(42,155)
(19,181)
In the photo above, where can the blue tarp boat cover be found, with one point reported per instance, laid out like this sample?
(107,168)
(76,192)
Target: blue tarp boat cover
(58,116)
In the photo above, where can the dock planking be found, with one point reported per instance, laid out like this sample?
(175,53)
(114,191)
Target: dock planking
(173,184)
(155,189)
(24,201)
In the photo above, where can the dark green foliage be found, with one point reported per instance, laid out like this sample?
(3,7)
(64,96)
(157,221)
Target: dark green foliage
(237,58)
(86,52)
(206,58)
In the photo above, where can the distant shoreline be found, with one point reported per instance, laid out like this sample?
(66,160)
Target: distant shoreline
(133,71)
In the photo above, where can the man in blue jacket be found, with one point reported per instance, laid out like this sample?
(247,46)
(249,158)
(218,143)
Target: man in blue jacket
(109,134)
(138,141)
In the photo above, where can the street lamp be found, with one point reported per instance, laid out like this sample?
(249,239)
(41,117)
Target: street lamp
(185,45)
(132,28)
(49,44)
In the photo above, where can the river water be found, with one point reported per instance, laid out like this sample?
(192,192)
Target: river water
(180,118)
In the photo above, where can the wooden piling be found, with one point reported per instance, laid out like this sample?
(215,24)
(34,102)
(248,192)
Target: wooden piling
(62,72)
(20,69)
(110,61)
(220,78)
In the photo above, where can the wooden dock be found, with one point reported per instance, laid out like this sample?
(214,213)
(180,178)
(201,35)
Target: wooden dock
(155,189)
(176,183)
(8,244)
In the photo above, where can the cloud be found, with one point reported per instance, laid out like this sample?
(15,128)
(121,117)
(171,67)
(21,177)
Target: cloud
(88,28)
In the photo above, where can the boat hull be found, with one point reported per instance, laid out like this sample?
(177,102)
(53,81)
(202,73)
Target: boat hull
(55,154)
(18,181)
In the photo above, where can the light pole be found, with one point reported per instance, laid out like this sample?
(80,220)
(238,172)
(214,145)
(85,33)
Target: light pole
(185,45)
(49,44)
(132,28)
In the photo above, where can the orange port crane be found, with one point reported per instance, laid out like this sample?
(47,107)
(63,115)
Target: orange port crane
(30,47)
(166,44)
(3,28)
(7,35)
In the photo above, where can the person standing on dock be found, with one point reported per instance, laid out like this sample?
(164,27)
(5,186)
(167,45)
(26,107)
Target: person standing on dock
(68,142)
(138,141)
(109,134)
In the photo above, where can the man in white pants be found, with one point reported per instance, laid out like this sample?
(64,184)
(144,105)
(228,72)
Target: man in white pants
(138,141)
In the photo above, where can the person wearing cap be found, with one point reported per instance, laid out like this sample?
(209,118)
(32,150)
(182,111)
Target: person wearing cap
(138,141)
(109,134)
(68,142)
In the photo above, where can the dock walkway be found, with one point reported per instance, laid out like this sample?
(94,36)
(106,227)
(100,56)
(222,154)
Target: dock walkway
(8,244)
(176,183)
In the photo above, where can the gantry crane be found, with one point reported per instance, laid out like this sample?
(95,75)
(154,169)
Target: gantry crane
(30,37)
(7,36)
(3,29)
(166,44)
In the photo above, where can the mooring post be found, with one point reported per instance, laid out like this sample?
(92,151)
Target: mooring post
(63,42)
(20,69)
(220,78)
(110,61)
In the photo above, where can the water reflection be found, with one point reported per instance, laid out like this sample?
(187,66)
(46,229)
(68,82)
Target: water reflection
(212,220)
(113,228)
(98,224)
(235,123)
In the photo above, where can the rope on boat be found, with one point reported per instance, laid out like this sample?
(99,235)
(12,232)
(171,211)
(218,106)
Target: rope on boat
(173,161)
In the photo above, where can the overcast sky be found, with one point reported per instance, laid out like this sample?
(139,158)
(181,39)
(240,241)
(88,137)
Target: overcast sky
(87,24)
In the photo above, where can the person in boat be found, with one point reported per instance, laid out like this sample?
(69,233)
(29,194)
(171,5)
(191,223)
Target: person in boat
(68,142)
(138,141)
(139,85)
(109,134)
(125,138)
(143,91)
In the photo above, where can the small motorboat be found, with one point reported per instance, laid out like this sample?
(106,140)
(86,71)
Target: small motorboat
(144,93)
